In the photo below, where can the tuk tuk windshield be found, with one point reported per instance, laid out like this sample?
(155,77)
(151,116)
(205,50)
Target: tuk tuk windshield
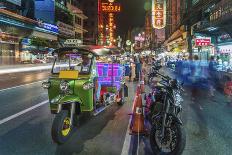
(73,61)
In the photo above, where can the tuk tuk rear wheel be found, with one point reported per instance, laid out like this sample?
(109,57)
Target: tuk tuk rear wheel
(61,127)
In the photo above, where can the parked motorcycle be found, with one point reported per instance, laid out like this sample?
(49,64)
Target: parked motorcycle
(163,109)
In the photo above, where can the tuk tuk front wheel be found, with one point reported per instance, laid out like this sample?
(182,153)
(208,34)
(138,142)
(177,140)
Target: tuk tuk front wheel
(61,127)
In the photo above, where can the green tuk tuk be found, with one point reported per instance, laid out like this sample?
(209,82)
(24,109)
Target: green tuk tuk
(82,81)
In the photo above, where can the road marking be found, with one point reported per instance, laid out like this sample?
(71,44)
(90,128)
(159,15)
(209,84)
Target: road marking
(22,112)
(21,85)
(127,141)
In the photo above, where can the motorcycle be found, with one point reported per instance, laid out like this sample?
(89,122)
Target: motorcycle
(163,110)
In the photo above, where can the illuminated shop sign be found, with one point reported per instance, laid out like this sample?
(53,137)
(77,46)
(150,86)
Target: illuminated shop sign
(111,26)
(203,41)
(16,2)
(26,41)
(139,38)
(61,6)
(66,29)
(159,14)
(13,22)
(49,27)
(111,7)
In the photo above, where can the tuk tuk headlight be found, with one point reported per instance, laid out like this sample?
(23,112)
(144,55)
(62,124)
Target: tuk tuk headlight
(88,85)
(64,86)
(46,84)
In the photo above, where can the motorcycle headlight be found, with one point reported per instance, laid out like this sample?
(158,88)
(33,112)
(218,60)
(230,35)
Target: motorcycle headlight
(88,85)
(46,85)
(64,86)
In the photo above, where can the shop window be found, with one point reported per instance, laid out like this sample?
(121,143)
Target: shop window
(78,20)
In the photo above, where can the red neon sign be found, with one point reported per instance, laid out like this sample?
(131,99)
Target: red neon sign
(202,41)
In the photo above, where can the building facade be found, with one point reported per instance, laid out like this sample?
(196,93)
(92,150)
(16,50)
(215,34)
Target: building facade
(91,10)
(18,29)
(30,29)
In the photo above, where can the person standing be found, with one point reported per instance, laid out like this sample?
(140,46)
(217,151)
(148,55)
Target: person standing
(137,67)
(212,74)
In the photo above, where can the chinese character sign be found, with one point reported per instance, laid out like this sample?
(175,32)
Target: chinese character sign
(202,41)
(111,7)
(159,14)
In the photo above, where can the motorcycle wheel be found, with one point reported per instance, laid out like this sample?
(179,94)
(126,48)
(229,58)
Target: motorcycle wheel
(173,135)
(61,127)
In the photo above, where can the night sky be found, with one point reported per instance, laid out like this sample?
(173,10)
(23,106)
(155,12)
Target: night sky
(132,15)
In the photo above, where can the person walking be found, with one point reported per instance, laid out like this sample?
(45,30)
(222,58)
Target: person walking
(195,79)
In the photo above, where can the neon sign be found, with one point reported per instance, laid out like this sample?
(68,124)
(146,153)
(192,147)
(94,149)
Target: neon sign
(159,14)
(111,7)
(111,26)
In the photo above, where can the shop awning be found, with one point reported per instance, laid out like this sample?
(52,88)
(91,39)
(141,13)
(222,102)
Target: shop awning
(44,35)
(176,35)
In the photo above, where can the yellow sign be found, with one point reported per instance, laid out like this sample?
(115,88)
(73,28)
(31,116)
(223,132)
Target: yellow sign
(158,14)
(68,74)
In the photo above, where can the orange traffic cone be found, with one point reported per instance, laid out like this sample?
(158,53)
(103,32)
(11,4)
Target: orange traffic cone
(137,123)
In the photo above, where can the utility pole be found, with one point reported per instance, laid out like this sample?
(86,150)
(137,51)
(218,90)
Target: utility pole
(189,30)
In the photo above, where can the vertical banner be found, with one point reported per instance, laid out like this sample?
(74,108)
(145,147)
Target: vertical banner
(111,26)
(158,14)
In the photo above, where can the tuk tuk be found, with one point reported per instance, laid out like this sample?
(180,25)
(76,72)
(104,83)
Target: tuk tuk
(83,80)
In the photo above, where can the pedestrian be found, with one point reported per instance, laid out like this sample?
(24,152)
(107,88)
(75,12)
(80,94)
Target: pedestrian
(137,67)
(212,74)
(195,80)
(185,71)
(132,66)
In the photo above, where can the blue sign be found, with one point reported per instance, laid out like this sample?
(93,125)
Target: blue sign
(45,10)
(49,27)
(26,41)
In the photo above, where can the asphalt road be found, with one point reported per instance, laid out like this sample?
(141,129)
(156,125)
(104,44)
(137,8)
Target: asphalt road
(208,130)
(16,79)
(29,133)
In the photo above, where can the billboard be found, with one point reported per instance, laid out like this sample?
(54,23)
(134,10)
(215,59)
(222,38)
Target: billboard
(45,10)
(16,2)
(158,14)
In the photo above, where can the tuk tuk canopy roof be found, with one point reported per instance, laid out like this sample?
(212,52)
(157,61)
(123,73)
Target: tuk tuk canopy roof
(95,50)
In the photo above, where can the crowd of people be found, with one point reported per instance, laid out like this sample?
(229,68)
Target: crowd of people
(195,73)
(201,75)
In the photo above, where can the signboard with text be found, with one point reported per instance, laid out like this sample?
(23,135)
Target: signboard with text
(158,14)
(65,29)
(202,41)
(111,7)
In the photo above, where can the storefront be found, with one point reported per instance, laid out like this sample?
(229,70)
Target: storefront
(15,29)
